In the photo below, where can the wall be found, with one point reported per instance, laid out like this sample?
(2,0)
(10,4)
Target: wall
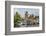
(2,18)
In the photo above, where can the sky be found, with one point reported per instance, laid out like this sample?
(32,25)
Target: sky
(22,11)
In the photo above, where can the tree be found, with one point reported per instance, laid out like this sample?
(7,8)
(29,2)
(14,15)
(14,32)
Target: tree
(17,18)
(26,14)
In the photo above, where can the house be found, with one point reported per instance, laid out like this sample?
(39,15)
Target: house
(29,20)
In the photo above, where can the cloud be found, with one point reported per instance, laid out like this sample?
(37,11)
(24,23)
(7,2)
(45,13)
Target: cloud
(22,11)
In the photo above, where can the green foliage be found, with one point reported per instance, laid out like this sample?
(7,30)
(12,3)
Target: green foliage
(17,18)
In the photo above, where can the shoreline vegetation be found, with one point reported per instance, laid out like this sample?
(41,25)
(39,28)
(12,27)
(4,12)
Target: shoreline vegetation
(26,21)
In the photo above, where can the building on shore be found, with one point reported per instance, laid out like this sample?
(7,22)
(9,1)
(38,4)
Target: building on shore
(31,19)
